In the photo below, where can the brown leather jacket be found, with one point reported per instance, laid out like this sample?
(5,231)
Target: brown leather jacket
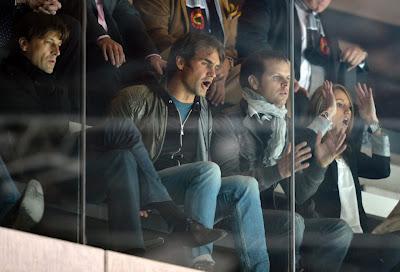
(167,20)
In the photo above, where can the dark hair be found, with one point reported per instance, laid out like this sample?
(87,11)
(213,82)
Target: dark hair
(254,64)
(36,25)
(187,46)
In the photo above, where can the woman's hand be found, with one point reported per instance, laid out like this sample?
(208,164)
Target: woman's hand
(366,104)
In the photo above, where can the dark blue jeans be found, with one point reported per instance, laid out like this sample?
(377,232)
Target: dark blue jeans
(121,174)
(321,243)
(9,194)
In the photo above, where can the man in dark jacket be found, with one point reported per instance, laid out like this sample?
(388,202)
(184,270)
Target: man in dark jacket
(176,124)
(119,51)
(119,171)
(251,139)
(265,24)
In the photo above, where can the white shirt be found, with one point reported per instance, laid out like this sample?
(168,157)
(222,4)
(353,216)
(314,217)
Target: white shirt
(305,66)
(348,198)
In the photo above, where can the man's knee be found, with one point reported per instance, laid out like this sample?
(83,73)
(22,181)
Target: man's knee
(209,175)
(248,186)
(341,233)
(299,228)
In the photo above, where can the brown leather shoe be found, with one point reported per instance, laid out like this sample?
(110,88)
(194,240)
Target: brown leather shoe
(196,234)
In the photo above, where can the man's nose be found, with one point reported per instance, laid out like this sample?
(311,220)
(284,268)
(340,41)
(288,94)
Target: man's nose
(212,71)
(56,50)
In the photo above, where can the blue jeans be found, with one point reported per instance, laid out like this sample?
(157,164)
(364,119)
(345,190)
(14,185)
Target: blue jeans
(199,187)
(321,243)
(196,186)
(277,229)
(325,243)
(239,200)
(9,194)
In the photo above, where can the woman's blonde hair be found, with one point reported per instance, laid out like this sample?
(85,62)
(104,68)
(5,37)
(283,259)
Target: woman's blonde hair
(318,104)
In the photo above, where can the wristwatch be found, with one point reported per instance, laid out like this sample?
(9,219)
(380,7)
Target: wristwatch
(325,115)
(374,127)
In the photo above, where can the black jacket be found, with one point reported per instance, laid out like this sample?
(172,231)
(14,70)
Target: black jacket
(34,108)
(124,26)
(264,24)
(326,201)
(237,147)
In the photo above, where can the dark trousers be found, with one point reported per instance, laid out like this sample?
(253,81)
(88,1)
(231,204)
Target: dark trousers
(121,174)
(104,80)
(373,252)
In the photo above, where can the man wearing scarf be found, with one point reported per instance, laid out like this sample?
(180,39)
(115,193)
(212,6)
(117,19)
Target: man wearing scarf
(252,140)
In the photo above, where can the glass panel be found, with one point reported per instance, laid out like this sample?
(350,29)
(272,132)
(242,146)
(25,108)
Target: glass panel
(172,114)
(40,99)
(354,43)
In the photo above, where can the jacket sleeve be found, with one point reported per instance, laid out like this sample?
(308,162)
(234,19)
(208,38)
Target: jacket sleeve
(156,16)
(129,103)
(308,180)
(94,29)
(253,28)
(225,146)
(133,30)
(377,166)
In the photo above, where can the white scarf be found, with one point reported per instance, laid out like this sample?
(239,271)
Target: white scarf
(257,104)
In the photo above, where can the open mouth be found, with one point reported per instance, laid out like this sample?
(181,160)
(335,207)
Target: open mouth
(346,122)
(206,83)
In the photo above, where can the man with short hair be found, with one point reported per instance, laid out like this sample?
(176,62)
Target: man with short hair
(167,21)
(176,124)
(251,139)
(119,172)
(265,24)
(68,67)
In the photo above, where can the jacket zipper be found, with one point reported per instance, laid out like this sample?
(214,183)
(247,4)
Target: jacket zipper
(181,134)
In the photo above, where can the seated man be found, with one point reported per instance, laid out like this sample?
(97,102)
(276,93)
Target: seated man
(166,21)
(19,211)
(68,66)
(118,51)
(176,124)
(119,171)
(251,139)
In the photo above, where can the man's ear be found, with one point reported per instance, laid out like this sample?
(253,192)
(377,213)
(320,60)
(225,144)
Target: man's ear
(23,44)
(253,82)
(180,63)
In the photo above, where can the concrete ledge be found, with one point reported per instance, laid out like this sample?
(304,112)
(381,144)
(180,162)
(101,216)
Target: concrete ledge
(25,252)
(117,262)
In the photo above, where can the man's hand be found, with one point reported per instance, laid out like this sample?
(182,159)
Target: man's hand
(302,153)
(216,92)
(143,213)
(329,98)
(45,6)
(112,51)
(299,89)
(366,104)
(157,63)
(354,55)
(332,147)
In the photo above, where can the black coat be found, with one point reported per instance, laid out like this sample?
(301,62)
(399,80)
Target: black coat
(124,26)
(238,148)
(33,107)
(264,24)
(326,201)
